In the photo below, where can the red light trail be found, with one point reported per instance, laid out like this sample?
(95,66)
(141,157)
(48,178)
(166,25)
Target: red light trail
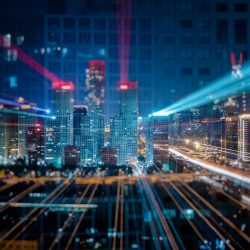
(28,60)
(123,33)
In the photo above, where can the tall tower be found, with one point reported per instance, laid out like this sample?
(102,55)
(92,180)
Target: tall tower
(59,132)
(95,89)
(244,137)
(35,143)
(129,118)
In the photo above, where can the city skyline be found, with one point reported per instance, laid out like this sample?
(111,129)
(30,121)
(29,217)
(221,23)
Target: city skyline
(125,124)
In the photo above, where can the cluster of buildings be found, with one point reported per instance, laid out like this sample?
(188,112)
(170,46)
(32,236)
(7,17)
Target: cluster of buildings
(75,134)
(225,133)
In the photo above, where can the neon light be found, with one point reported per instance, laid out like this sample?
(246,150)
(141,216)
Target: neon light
(123,87)
(123,15)
(127,85)
(63,85)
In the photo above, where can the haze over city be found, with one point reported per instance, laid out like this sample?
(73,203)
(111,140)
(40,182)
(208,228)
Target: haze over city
(124,124)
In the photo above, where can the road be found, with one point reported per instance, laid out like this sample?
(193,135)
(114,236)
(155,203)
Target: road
(161,211)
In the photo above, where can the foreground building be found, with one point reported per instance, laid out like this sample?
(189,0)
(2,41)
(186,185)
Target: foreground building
(35,139)
(124,127)
(59,131)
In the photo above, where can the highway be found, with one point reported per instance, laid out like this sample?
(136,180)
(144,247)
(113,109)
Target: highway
(160,211)
(231,172)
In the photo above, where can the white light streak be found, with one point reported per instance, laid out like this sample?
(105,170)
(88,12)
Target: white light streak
(220,170)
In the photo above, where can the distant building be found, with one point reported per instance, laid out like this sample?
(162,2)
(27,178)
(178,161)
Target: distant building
(35,139)
(157,140)
(244,137)
(109,156)
(229,137)
(15,121)
(71,155)
(79,112)
(53,150)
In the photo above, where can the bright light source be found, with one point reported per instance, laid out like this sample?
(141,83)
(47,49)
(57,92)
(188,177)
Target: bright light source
(124,87)
(47,111)
(162,113)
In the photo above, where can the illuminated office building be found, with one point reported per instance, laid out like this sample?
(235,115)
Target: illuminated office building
(59,131)
(109,156)
(9,136)
(95,88)
(13,131)
(24,122)
(72,155)
(35,145)
(79,113)
(124,128)
(244,137)
(53,150)
(157,140)
(89,133)
(229,137)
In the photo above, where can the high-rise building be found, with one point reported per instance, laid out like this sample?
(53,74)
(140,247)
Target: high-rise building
(95,97)
(71,155)
(157,140)
(53,150)
(124,128)
(79,113)
(229,138)
(59,131)
(244,137)
(95,85)
(24,122)
(81,34)
(115,140)
(15,121)
(35,145)
(109,156)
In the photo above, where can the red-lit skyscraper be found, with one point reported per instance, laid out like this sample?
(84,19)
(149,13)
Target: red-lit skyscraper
(95,84)
(95,97)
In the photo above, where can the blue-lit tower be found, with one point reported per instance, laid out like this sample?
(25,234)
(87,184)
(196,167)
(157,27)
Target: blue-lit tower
(124,128)
(59,131)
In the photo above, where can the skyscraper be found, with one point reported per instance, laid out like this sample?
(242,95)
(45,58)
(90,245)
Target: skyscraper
(59,131)
(157,140)
(35,145)
(244,137)
(124,128)
(95,96)
(79,113)
(13,131)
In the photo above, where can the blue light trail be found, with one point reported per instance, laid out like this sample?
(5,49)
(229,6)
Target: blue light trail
(218,89)
(18,112)
(17,104)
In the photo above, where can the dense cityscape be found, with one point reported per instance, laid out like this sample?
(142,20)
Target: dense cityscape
(125,124)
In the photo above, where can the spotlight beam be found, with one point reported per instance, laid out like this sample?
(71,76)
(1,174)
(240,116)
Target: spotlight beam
(32,63)
(9,111)
(17,104)
(220,88)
